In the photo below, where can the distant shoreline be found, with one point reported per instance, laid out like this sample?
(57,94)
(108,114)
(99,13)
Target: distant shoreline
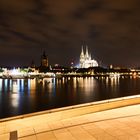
(68,75)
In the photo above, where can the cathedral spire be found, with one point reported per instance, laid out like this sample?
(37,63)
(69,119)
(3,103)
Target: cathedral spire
(90,56)
(82,57)
(87,55)
(82,51)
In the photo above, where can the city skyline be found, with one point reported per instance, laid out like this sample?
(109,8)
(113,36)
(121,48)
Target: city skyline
(109,28)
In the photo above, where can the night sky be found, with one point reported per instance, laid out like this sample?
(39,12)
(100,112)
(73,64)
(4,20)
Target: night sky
(110,28)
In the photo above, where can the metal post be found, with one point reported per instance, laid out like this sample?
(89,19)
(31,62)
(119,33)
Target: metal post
(13,135)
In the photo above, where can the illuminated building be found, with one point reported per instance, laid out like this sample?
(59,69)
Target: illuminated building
(44,60)
(86,61)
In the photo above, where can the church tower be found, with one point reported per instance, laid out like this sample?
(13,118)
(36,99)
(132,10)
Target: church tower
(87,54)
(82,58)
(44,60)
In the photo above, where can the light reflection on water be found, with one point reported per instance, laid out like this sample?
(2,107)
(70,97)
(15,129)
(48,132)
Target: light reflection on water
(20,96)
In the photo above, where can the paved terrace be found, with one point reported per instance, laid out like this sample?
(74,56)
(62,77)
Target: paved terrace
(120,123)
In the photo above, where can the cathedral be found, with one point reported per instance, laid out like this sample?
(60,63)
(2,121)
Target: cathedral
(85,59)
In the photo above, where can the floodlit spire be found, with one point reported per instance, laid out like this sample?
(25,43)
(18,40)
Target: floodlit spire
(82,51)
(82,58)
(87,55)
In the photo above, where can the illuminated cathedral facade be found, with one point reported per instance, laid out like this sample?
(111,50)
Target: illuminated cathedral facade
(85,59)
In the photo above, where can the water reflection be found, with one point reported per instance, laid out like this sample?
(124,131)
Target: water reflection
(1,85)
(15,86)
(14,100)
(30,95)
(21,85)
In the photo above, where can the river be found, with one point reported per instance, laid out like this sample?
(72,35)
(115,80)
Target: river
(23,96)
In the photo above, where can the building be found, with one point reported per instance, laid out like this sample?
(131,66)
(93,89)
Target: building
(44,60)
(85,59)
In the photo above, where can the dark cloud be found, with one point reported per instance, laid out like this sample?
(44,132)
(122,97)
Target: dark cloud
(110,28)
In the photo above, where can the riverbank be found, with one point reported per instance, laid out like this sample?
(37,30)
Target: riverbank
(30,124)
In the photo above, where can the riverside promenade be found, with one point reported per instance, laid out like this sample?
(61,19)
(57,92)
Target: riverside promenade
(116,119)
